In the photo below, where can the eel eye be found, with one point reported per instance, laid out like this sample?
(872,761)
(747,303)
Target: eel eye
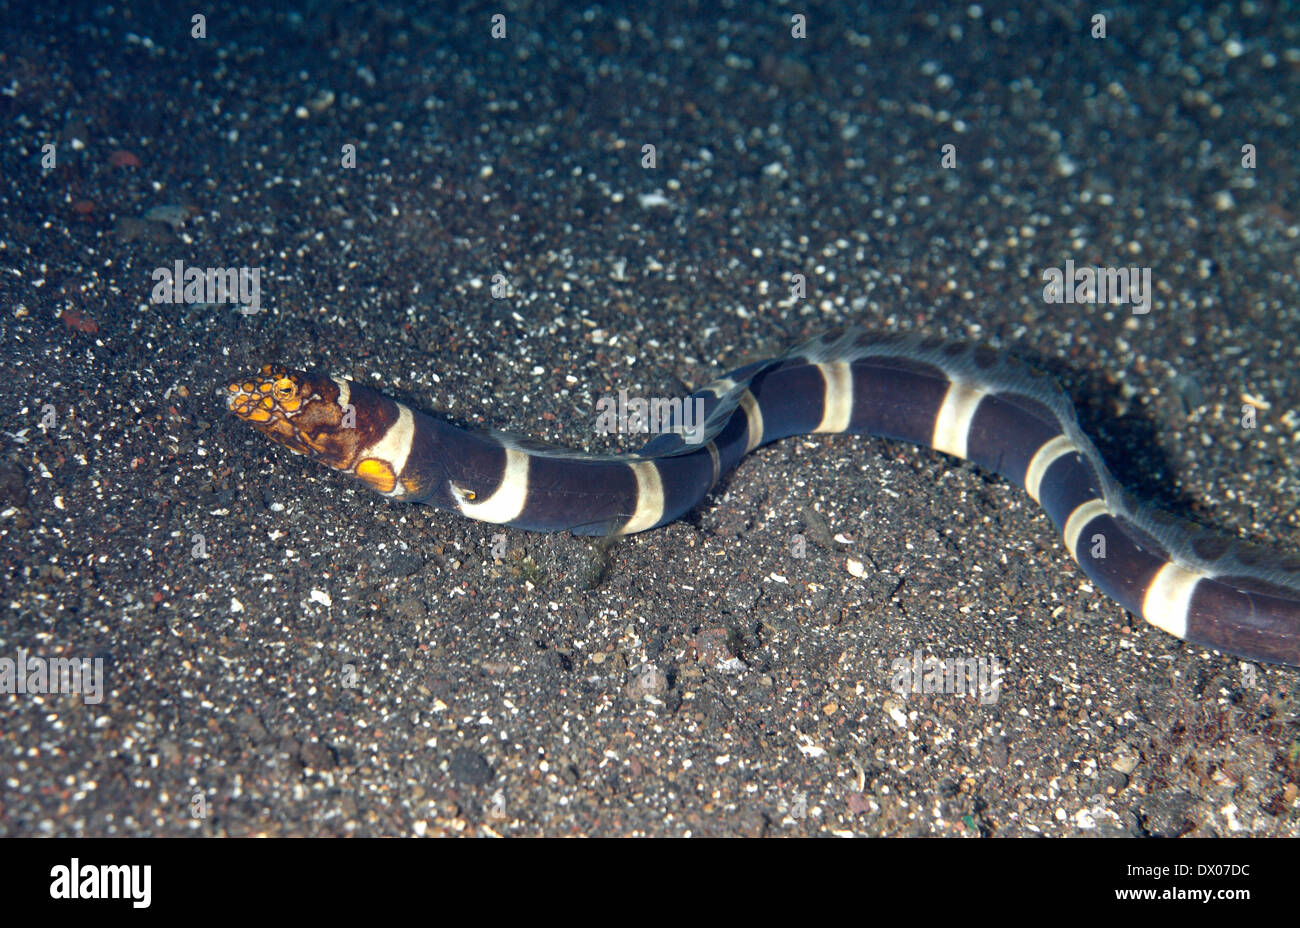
(284,389)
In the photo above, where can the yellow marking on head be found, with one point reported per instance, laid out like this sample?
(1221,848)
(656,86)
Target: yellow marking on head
(299,411)
(379,474)
(275,390)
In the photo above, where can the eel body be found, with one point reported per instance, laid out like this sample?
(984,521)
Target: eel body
(966,400)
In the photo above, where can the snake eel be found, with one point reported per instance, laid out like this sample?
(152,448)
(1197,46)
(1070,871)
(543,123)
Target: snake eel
(966,400)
